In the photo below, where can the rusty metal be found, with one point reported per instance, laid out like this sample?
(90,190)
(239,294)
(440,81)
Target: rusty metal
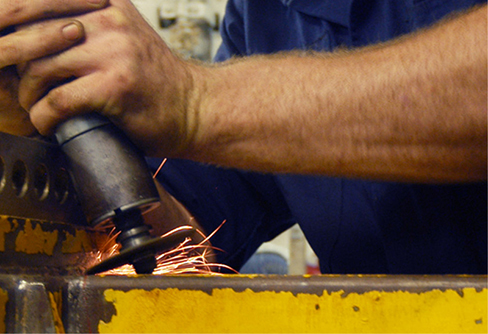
(315,284)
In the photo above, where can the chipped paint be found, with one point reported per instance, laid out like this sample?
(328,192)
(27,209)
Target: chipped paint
(77,243)
(5,227)
(24,235)
(3,309)
(225,310)
(34,240)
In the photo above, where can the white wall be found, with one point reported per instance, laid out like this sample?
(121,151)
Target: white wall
(196,23)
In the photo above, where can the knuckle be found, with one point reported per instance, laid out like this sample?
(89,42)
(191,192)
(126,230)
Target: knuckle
(10,52)
(27,98)
(125,80)
(58,101)
(45,45)
(33,73)
(24,100)
(40,121)
(114,17)
(12,8)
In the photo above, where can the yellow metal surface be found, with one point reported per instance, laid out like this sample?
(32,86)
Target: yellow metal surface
(3,309)
(226,310)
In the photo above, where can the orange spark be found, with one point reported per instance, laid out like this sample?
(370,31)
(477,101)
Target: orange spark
(186,258)
(159,168)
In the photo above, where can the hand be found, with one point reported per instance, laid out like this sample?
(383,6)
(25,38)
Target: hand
(26,44)
(123,70)
(40,39)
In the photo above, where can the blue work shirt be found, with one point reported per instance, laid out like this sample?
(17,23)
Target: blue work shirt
(353,226)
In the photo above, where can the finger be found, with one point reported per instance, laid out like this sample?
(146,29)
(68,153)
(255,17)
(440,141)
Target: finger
(28,44)
(41,75)
(86,94)
(14,12)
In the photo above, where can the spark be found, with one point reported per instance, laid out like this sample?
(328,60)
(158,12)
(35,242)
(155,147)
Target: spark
(107,246)
(186,258)
(159,168)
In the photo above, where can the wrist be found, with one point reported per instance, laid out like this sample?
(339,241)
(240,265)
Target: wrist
(194,92)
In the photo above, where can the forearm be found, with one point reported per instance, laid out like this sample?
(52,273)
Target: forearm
(412,110)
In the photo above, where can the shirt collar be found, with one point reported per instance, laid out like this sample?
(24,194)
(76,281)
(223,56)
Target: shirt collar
(336,11)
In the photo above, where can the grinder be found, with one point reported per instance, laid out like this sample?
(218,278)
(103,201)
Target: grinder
(113,183)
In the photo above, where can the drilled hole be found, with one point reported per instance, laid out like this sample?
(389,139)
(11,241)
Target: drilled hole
(61,185)
(41,182)
(2,174)
(19,178)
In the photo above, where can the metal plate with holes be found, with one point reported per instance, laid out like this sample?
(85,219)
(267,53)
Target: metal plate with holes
(34,182)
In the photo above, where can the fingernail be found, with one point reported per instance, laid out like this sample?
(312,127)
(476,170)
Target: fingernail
(72,31)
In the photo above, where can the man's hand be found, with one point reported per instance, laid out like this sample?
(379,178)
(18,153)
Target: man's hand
(124,70)
(40,39)
(31,42)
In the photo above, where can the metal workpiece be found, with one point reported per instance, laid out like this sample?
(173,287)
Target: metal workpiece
(235,303)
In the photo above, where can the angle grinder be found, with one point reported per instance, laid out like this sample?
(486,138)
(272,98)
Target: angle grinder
(113,183)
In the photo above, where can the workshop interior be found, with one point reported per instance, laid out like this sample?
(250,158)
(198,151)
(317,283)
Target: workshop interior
(78,256)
